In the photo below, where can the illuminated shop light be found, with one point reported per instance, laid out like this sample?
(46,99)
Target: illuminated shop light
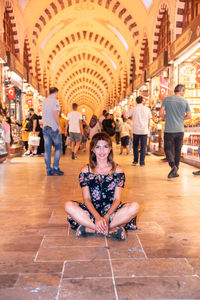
(119,35)
(187,54)
(111,61)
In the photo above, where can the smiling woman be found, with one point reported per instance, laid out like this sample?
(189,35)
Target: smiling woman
(102,181)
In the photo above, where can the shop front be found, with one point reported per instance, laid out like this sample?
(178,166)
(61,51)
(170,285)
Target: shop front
(14,75)
(159,75)
(185,54)
(3,150)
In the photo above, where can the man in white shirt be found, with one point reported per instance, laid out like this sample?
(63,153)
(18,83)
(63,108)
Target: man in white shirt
(141,116)
(74,121)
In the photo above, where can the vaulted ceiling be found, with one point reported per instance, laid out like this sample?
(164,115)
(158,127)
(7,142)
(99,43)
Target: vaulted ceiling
(85,46)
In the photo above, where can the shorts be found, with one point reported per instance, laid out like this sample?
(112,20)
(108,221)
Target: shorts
(84,139)
(125,141)
(75,137)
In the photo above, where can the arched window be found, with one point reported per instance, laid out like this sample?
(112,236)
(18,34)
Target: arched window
(26,56)
(146,55)
(8,36)
(164,33)
(191,11)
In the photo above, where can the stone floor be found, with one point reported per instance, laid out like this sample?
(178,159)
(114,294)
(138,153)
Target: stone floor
(40,257)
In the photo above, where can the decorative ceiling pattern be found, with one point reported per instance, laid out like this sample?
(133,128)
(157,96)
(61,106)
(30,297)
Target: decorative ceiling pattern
(84,47)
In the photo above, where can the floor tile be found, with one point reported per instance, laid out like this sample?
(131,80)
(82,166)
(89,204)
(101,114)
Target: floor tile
(66,241)
(151,267)
(72,253)
(158,288)
(38,280)
(36,267)
(8,280)
(18,293)
(90,289)
(86,269)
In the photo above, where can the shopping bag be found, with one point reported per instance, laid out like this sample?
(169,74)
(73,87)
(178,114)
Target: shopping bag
(34,140)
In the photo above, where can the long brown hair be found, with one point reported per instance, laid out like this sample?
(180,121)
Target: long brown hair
(101,136)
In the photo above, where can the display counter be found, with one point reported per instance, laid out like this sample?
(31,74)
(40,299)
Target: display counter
(17,146)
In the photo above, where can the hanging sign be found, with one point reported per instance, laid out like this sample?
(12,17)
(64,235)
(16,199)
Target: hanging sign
(29,102)
(40,108)
(11,93)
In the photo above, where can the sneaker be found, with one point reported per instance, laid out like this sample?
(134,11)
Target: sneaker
(134,163)
(27,153)
(196,173)
(57,172)
(33,154)
(49,172)
(173,172)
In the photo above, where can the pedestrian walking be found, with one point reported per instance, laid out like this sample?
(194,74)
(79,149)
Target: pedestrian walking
(141,116)
(94,126)
(52,132)
(125,133)
(74,122)
(174,110)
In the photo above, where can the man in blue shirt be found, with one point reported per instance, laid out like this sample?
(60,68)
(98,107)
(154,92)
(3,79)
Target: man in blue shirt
(175,109)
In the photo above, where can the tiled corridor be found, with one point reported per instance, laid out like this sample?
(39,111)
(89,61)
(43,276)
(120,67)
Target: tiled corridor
(40,257)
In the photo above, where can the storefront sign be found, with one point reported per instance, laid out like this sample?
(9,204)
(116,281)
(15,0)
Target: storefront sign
(3,57)
(157,65)
(185,39)
(29,102)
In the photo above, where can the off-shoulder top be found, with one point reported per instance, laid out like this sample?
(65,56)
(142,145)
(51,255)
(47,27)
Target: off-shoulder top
(102,187)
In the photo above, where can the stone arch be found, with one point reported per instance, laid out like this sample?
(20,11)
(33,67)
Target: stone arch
(115,7)
(10,9)
(86,70)
(142,52)
(163,8)
(179,17)
(84,35)
(30,61)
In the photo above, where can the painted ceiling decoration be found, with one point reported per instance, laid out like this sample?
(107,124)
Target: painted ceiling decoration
(84,47)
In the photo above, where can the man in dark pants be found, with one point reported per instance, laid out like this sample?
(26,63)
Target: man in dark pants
(175,109)
(141,116)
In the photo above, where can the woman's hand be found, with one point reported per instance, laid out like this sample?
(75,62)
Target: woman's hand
(101,225)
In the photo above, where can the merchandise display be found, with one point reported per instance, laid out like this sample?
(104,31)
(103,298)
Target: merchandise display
(188,75)
(3,151)
(17,145)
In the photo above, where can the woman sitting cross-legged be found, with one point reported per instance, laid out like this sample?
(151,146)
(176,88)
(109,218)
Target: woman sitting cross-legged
(101,182)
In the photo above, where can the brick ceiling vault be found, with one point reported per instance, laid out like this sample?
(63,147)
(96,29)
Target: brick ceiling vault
(83,45)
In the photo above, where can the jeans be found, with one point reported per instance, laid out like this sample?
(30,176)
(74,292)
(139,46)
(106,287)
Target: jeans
(52,137)
(143,145)
(117,137)
(63,143)
(170,139)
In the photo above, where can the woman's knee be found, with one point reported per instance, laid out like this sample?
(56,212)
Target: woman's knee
(133,208)
(69,205)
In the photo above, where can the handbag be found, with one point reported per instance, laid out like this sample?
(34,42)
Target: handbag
(34,140)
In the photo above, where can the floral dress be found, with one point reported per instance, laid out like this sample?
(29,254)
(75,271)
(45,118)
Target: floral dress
(102,189)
